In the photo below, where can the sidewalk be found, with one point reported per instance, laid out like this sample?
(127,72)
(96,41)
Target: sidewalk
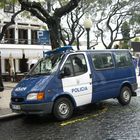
(5,111)
(5,96)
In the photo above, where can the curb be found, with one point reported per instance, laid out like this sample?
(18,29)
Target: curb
(10,115)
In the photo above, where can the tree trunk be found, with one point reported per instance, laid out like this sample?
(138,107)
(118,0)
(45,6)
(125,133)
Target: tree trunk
(54,29)
(78,44)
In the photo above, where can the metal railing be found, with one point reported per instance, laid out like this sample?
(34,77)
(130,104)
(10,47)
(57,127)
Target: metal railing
(21,41)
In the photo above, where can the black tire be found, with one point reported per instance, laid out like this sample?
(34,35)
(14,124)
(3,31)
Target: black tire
(63,109)
(125,96)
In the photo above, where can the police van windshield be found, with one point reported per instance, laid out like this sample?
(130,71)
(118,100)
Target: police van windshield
(47,65)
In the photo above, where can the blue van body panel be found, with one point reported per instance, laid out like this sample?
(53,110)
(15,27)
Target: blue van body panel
(103,85)
(30,85)
(51,85)
(53,88)
(108,82)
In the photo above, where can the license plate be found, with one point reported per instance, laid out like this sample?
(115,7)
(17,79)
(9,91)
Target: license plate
(16,107)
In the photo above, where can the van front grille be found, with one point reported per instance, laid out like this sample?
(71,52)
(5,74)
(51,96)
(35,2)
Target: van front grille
(17,100)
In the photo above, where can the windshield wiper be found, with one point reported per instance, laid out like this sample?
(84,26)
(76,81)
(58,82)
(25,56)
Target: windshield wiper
(28,75)
(38,74)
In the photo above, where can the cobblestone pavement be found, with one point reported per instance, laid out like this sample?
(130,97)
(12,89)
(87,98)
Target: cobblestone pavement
(105,121)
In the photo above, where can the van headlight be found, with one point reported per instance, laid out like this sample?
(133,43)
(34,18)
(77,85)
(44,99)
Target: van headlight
(35,96)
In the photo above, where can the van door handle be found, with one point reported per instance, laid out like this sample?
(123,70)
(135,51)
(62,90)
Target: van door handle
(77,82)
(90,75)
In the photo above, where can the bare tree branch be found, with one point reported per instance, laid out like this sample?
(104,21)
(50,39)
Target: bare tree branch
(5,27)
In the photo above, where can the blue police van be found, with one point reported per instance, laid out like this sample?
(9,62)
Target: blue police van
(65,79)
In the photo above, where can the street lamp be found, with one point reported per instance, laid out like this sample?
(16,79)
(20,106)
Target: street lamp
(87,26)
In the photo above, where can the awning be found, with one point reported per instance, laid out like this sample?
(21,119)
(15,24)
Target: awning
(17,50)
(33,53)
(32,61)
(16,53)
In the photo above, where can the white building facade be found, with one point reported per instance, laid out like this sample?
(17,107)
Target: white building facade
(20,39)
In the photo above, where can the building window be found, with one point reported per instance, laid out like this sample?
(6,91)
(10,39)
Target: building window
(23,36)
(10,36)
(7,66)
(9,7)
(34,36)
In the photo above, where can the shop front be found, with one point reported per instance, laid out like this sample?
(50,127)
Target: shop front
(16,60)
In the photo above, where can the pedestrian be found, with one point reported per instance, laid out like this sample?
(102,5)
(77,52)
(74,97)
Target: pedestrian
(139,65)
(134,62)
(1,84)
(31,66)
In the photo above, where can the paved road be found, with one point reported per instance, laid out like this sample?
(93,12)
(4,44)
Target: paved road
(105,121)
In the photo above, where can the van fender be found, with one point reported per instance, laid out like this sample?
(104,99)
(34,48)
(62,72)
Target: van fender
(128,84)
(64,94)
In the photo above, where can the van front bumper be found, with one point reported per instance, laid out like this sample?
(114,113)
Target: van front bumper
(41,108)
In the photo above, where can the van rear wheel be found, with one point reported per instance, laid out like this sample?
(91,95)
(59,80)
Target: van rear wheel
(125,96)
(63,109)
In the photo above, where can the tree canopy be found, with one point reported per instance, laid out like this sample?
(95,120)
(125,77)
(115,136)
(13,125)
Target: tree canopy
(50,15)
(109,18)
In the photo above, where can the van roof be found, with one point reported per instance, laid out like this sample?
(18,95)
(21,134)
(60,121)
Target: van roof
(68,49)
(58,50)
(107,50)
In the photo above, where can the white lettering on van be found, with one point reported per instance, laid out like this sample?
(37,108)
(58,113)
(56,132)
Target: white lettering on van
(20,88)
(79,89)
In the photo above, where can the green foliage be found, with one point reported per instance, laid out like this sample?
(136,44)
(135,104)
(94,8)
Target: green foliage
(14,1)
(135,18)
(124,45)
(2,2)
(137,39)
(63,2)
(26,14)
(104,2)
(123,3)
(125,30)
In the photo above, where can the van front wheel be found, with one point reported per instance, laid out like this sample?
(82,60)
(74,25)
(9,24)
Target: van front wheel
(63,109)
(125,95)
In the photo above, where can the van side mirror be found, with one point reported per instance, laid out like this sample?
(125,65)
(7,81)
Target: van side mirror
(65,72)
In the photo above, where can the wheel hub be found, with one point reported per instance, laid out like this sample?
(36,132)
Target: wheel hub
(126,95)
(63,109)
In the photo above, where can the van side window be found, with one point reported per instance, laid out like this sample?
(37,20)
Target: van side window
(102,61)
(123,59)
(68,65)
(79,64)
(76,64)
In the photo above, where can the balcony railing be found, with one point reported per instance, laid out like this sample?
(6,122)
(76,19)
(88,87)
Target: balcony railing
(20,41)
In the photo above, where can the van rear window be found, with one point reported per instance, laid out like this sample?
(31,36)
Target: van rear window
(102,61)
(123,59)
